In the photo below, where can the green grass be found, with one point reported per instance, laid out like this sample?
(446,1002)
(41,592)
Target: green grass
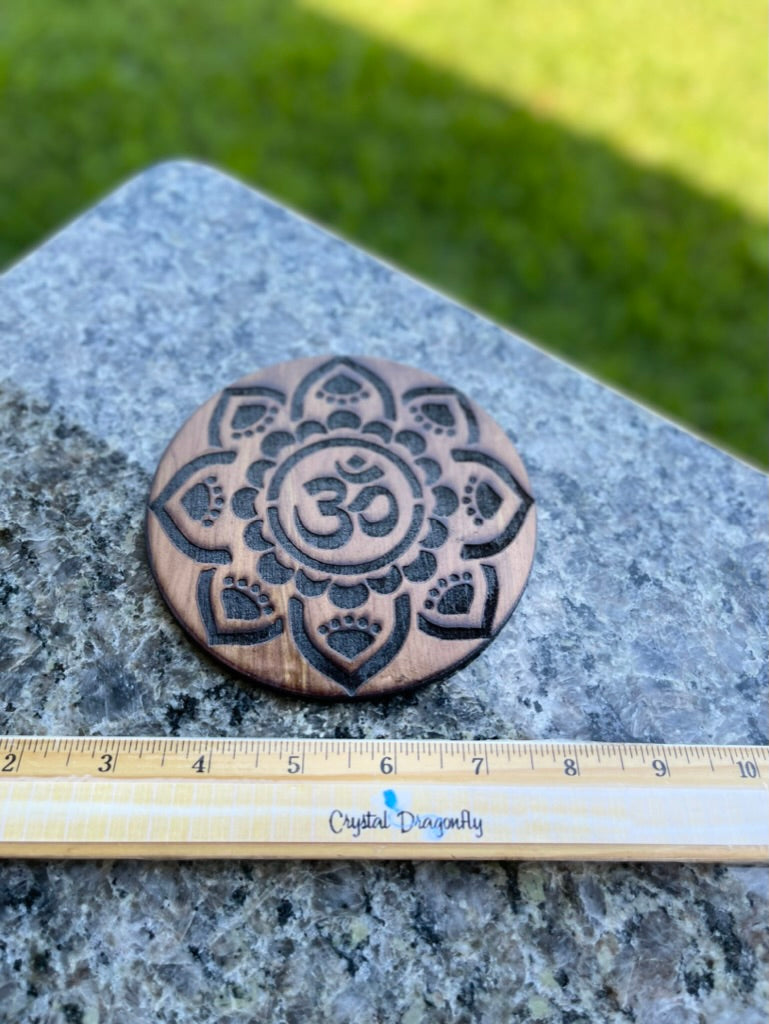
(592,176)
(677,84)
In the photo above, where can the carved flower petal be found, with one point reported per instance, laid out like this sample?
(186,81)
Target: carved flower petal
(443,411)
(254,538)
(422,568)
(380,429)
(243,412)
(276,441)
(257,470)
(350,648)
(235,611)
(243,502)
(194,510)
(343,419)
(494,502)
(309,587)
(273,571)
(348,596)
(430,468)
(446,501)
(388,583)
(341,383)
(309,427)
(437,536)
(415,443)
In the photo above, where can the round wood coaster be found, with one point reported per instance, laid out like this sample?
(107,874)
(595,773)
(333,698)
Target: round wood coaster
(340,527)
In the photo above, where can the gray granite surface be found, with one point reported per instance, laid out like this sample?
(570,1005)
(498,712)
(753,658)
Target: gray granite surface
(645,619)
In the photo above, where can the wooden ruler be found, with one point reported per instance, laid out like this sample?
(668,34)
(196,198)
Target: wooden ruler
(290,798)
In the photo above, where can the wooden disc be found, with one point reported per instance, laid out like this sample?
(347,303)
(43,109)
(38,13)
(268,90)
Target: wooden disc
(340,527)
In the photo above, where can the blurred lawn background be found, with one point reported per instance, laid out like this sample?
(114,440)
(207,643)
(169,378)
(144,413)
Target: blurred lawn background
(591,174)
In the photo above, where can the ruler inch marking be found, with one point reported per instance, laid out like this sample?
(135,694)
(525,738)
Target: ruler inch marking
(596,793)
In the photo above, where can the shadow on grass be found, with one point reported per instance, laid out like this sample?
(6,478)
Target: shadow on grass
(629,272)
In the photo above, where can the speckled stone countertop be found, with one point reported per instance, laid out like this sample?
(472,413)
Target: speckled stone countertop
(645,619)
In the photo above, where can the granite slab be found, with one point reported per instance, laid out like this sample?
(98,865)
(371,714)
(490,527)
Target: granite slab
(645,619)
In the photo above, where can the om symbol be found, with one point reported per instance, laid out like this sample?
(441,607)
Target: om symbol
(380,522)
(340,491)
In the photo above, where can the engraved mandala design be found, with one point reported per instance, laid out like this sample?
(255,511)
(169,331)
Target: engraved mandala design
(342,514)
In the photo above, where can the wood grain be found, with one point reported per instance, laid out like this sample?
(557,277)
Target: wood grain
(341,528)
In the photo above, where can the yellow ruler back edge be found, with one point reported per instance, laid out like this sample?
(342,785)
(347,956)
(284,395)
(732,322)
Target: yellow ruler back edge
(124,797)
